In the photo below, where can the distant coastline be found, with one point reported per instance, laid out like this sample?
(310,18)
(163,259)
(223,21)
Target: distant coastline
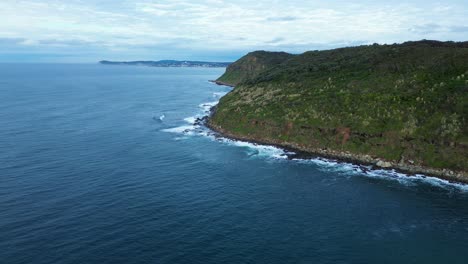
(169,63)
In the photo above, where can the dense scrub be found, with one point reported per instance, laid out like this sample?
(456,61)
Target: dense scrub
(251,65)
(403,102)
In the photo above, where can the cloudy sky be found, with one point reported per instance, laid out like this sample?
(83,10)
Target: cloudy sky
(216,30)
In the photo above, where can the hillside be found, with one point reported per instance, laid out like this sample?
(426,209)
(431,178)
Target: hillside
(402,105)
(251,65)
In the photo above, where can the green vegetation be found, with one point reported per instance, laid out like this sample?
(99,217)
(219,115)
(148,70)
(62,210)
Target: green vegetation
(251,65)
(405,103)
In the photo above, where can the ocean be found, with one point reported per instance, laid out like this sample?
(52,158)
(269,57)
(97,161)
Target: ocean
(106,164)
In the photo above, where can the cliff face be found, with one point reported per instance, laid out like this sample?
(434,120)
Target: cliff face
(403,104)
(251,65)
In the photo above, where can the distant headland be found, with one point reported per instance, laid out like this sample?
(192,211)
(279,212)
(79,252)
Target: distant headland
(169,63)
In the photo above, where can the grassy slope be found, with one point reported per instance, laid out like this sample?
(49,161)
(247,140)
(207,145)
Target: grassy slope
(251,65)
(398,102)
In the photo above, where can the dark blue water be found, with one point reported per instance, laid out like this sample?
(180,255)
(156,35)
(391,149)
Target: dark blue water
(89,174)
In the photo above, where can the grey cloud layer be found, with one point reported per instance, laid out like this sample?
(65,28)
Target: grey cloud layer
(225,25)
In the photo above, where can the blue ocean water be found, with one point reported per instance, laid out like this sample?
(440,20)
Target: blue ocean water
(89,173)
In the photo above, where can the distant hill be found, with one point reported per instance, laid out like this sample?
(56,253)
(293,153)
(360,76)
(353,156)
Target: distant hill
(402,105)
(169,63)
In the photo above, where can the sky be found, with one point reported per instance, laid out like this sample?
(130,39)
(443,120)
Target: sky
(213,30)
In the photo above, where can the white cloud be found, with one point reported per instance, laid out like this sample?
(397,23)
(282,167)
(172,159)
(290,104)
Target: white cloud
(226,25)
(28,42)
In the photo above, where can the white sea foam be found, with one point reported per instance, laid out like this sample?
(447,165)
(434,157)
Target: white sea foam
(181,129)
(345,168)
(207,106)
(219,94)
(194,129)
(254,150)
(191,119)
(257,150)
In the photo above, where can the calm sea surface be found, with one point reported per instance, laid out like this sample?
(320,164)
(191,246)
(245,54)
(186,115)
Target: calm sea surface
(102,164)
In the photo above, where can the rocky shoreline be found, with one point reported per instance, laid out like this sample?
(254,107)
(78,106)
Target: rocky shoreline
(221,83)
(307,152)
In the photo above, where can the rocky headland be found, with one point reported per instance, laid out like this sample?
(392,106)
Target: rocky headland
(401,106)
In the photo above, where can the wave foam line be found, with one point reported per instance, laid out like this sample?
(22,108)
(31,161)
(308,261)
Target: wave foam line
(256,149)
(368,171)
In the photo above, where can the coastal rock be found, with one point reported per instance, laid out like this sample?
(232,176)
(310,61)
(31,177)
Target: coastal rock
(384,164)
